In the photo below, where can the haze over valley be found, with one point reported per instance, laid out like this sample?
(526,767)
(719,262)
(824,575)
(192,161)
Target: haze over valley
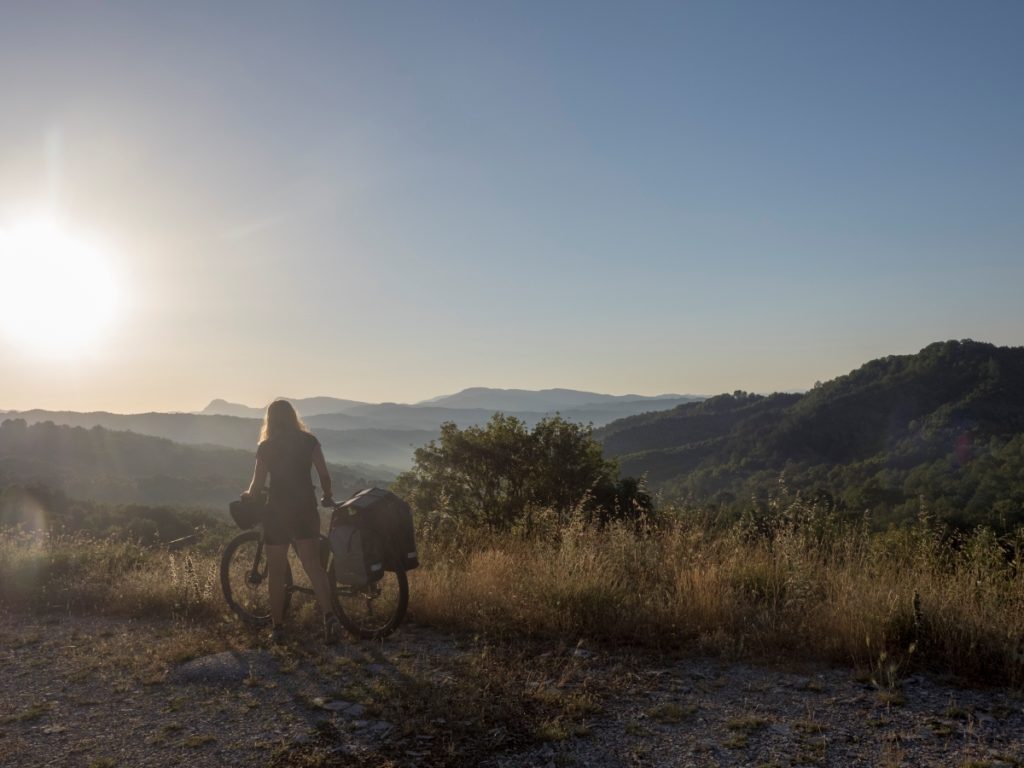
(941,428)
(376,437)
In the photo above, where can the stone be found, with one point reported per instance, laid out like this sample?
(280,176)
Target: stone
(223,668)
(380,728)
(338,705)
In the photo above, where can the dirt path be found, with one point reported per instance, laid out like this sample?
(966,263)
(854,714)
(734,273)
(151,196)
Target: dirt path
(101,692)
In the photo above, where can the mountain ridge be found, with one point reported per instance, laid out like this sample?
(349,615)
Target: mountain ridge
(486,398)
(307,406)
(944,427)
(499,399)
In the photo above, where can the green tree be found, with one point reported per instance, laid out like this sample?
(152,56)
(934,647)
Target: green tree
(499,474)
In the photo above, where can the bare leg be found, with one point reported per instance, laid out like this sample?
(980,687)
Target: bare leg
(309,554)
(277,563)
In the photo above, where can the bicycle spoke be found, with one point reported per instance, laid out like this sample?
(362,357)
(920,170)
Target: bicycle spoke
(245,580)
(374,609)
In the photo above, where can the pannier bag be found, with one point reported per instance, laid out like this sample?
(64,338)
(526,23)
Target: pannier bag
(249,511)
(390,518)
(354,565)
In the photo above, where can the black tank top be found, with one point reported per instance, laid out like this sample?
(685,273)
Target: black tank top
(289,460)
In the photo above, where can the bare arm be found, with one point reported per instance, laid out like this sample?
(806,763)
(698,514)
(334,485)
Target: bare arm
(321,470)
(259,477)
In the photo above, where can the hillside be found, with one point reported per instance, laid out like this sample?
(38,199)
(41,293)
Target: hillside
(384,451)
(945,425)
(122,467)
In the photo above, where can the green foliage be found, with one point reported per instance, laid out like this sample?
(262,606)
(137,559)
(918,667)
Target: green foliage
(501,474)
(941,430)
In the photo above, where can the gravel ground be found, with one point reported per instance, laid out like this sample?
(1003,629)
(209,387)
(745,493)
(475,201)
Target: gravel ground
(100,692)
(704,713)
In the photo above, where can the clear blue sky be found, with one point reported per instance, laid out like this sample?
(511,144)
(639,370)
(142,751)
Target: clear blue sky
(389,201)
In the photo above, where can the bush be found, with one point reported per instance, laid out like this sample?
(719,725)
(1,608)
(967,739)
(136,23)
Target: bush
(501,474)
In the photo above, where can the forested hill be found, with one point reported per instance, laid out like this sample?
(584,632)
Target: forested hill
(945,425)
(382,448)
(123,467)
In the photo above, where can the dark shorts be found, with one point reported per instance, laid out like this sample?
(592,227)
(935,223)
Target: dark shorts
(291,519)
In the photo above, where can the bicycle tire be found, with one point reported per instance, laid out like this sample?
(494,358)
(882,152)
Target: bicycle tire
(375,611)
(243,579)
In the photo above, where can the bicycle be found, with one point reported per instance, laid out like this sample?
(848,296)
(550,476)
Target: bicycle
(369,611)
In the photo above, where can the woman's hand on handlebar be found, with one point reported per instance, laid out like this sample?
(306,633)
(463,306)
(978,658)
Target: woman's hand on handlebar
(327,500)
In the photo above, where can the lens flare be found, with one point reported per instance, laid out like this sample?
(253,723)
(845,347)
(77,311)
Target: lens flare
(19,508)
(23,543)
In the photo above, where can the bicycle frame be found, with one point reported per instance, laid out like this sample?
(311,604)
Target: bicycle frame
(371,610)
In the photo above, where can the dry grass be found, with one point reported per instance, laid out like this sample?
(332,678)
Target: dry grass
(808,587)
(805,587)
(109,576)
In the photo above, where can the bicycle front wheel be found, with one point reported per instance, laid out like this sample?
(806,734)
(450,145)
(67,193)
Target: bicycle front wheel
(375,610)
(243,579)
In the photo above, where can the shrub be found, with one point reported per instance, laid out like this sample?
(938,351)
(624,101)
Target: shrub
(501,474)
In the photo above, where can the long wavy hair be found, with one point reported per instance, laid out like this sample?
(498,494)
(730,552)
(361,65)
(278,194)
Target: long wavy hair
(281,419)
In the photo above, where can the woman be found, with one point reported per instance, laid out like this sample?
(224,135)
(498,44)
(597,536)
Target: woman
(286,452)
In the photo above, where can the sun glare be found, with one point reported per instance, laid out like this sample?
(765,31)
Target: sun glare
(59,292)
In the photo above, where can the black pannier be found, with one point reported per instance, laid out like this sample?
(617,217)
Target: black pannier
(249,511)
(390,518)
(355,561)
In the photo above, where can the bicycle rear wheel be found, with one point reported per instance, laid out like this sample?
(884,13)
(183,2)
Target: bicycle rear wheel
(243,579)
(375,610)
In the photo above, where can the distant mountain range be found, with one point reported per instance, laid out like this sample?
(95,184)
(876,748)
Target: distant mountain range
(945,426)
(307,406)
(376,438)
(484,399)
(550,400)
(466,408)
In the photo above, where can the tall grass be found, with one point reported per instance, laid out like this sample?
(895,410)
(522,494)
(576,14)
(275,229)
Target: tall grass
(801,585)
(79,572)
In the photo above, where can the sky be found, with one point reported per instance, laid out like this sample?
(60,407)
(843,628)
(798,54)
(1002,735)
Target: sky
(391,201)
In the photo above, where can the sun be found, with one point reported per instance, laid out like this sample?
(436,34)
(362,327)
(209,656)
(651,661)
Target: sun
(58,294)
